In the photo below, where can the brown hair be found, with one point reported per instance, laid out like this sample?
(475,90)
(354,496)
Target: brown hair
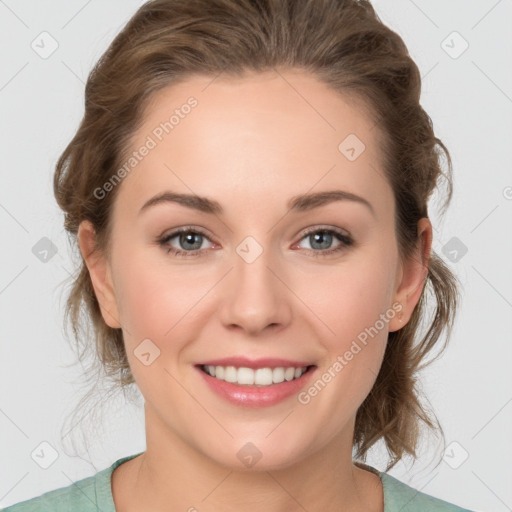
(345,45)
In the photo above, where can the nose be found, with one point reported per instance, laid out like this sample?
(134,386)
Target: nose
(255,297)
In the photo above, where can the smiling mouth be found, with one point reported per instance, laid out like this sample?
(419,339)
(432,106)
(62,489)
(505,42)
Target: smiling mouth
(260,377)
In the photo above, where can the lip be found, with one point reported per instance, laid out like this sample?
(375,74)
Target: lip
(254,396)
(264,362)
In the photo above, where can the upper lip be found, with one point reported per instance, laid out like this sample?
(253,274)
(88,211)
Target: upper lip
(265,362)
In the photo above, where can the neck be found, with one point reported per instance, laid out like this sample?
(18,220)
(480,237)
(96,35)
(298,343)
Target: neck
(173,475)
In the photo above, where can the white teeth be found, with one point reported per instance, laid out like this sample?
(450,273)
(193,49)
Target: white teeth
(250,377)
(245,376)
(278,375)
(289,373)
(230,375)
(263,376)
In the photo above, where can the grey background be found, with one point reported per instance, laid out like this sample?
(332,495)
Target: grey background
(469,98)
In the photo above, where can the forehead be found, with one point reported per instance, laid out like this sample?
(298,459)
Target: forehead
(267,136)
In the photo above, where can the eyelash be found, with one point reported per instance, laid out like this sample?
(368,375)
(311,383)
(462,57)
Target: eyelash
(345,239)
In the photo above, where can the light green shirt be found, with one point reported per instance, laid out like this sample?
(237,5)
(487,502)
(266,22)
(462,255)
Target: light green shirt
(94,494)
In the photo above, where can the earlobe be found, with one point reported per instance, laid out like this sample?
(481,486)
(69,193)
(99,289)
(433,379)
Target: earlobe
(100,274)
(414,275)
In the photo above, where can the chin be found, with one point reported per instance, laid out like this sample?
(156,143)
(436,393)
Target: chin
(253,456)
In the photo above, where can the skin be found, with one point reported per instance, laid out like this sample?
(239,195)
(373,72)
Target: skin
(251,144)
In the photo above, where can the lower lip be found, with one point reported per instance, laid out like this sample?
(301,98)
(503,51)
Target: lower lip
(254,396)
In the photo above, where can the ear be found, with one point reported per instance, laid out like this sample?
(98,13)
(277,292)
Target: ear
(100,273)
(412,276)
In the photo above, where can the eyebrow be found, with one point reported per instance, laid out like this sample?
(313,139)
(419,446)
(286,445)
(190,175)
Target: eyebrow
(300,203)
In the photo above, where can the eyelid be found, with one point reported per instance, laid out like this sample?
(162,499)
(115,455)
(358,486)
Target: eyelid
(304,232)
(185,229)
(324,227)
(344,237)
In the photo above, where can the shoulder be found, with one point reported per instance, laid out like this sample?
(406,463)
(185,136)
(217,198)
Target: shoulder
(89,494)
(401,497)
(77,496)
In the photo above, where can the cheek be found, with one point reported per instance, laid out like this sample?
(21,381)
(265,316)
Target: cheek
(356,307)
(155,307)
(149,286)
(151,299)
(352,297)
(164,303)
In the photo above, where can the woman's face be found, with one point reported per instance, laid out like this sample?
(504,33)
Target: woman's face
(256,284)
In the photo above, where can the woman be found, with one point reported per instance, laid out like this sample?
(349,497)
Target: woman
(284,141)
